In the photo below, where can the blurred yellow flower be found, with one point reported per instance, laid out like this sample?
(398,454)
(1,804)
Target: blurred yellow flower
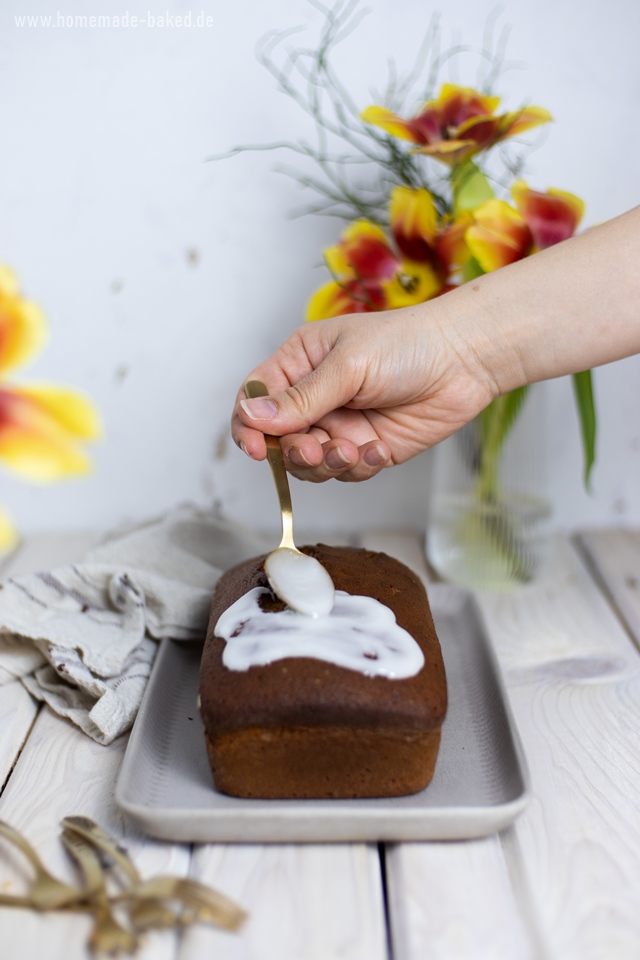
(42,426)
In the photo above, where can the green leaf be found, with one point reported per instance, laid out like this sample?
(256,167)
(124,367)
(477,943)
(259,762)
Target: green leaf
(470,187)
(583,390)
(494,424)
(471,270)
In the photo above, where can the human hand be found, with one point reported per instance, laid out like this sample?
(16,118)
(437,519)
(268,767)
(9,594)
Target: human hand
(353,394)
(357,393)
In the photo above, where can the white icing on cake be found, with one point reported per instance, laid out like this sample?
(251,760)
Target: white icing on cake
(360,634)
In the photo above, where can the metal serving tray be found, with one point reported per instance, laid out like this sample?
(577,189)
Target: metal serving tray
(480,784)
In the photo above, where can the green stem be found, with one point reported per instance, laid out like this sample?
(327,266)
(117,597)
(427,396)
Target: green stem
(494,425)
(492,438)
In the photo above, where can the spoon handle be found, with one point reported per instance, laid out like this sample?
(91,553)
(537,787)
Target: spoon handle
(255,388)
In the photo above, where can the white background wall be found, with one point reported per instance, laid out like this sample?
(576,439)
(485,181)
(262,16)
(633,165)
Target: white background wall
(166,278)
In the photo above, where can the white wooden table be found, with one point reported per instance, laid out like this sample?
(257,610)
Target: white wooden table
(563,882)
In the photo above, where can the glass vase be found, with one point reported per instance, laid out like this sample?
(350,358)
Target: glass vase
(489,521)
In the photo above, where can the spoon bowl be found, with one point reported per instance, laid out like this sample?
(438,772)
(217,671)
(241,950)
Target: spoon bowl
(298,580)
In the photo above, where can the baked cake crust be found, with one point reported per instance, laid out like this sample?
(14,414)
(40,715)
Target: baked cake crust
(301,727)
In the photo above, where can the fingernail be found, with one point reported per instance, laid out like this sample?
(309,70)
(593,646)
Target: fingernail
(298,458)
(375,456)
(244,449)
(336,459)
(259,408)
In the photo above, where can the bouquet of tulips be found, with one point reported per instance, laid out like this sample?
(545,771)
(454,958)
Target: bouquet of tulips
(431,196)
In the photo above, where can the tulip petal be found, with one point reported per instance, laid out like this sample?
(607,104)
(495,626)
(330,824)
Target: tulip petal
(449,151)
(415,283)
(484,131)
(457,104)
(71,410)
(414,222)
(499,235)
(35,439)
(338,258)
(363,252)
(517,121)
(392,123)
(23,329)
(330,300)
(351,296)
(336,262)
(552,216)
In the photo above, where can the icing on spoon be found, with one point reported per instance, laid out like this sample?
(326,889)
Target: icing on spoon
(298,580)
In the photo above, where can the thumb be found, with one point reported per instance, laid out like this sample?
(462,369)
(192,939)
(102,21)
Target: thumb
(332,384)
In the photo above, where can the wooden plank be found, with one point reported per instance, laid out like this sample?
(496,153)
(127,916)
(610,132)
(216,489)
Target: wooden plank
(454,900)
(573,857)
(17,712)
(573,678)
(615,556)
(305,902)
(448,899)
(557,626)
(62,772)
(579,839)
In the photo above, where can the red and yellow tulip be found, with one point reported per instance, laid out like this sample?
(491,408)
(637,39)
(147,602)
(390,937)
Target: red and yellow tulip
(428,254)
(459,123)
(551,217)
(42,427)
(369,275)
(501,234)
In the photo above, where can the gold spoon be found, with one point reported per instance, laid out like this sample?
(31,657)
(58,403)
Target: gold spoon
(299,580)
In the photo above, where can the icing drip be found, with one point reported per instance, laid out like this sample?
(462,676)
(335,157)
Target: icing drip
(360,634)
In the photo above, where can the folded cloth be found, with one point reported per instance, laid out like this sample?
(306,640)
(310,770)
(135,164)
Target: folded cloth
(82,637)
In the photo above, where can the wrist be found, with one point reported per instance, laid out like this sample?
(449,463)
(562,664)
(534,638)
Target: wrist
(480,336)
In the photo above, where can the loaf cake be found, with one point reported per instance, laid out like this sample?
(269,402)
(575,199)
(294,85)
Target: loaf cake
(303,727)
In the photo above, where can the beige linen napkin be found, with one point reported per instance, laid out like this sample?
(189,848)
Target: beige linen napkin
(82,637)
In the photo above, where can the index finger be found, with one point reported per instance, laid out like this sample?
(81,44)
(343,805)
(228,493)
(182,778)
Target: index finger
(285,367)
